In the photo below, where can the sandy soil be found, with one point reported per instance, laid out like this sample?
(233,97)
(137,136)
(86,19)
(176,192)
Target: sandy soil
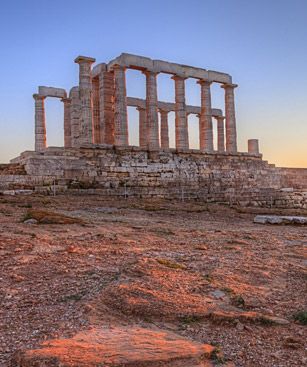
(206,273)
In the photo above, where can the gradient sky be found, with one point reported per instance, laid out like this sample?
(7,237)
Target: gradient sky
(262,44)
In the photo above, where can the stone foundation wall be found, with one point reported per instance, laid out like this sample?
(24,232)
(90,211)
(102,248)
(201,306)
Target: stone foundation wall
(294,177)
(241,178)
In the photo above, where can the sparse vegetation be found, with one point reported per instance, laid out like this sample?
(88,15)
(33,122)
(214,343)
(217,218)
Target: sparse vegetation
(26,216)
(73,297)
(190,319)
(25,206)
(227,290)
(217,356)
(301,317)
(163,231)
(171,264)
(265,321)
(238,301)
(208,278)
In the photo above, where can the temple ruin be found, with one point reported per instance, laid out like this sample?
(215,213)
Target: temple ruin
(95,112)
(96,157)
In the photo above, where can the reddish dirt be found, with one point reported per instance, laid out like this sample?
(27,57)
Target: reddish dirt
(204,273)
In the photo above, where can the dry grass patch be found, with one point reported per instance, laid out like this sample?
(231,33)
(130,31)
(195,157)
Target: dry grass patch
(46,217)
(171,264)
(301,317)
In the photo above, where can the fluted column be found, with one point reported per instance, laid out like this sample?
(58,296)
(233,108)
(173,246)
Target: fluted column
(106,102)
(206,130)
(96,112)
(164,129)
(152,110)
(199,128)
(40,123)
(85,92)
(220,133)
(120,107)
(67,122)
(142,127)
(75,113)
(181,123)
(231,130)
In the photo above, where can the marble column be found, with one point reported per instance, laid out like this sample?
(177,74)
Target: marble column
(67,122)
(106,95)
(199,129)
(181,122)
(152,111)
(164,129)
(120,107)
(253,146)
(220,133)
(96,112)
(40,123)
(75,113)
(85,92)
(206,129)
(142,128)
(231,130)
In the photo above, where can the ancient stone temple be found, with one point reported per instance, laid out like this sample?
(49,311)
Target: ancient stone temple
(97,157)
(95,112)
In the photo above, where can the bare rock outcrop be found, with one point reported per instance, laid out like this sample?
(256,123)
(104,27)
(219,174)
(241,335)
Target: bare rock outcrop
(118,347)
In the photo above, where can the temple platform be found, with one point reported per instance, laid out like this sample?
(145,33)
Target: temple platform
(242,179)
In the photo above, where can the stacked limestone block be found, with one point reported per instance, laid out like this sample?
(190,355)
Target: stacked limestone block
(217,177)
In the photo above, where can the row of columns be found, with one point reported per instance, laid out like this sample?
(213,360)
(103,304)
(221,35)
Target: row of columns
(151,141)
(40,122)
(164,131)
(87,121)
(181,126)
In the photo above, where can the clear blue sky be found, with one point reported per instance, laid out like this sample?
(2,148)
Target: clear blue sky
(262,44)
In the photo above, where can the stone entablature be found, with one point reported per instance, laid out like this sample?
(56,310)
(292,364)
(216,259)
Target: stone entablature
(95,112)
(142,63)
(171,107)
(52,92)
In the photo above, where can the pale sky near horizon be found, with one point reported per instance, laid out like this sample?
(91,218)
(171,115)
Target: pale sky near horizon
(262,44)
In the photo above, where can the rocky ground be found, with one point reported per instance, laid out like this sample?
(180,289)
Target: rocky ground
(93,282)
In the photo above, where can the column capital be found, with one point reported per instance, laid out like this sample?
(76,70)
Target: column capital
(66,100)
(198,115)
(139,108)
(37,96)
(84,59)
(219,118)
(204,82)
(229,86)
(150,72)
(118,67)
(162,110)
(178,77)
